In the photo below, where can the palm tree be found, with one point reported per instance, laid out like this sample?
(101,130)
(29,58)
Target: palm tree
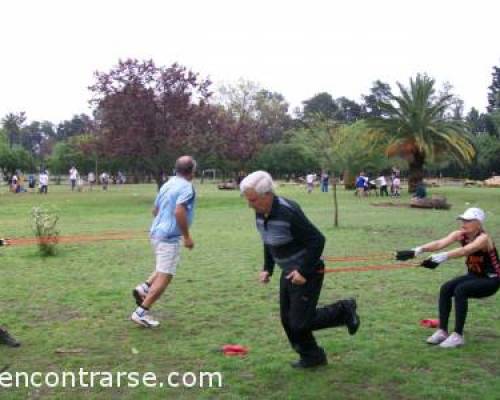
(417,128)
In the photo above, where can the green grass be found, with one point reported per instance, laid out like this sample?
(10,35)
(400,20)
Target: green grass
(81,299)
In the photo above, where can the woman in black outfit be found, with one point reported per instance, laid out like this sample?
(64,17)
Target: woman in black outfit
(481,280)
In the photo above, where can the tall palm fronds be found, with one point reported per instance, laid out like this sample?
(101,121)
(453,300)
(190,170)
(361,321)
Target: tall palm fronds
(417,127)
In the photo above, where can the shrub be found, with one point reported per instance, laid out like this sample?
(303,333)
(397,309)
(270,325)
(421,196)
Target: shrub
(44,225)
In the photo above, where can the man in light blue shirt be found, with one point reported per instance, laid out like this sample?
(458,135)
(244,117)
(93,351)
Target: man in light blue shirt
(173,214)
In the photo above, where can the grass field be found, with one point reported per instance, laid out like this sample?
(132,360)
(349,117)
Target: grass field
(81,301)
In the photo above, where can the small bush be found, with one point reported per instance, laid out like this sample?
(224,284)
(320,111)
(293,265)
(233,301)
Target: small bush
(44,225)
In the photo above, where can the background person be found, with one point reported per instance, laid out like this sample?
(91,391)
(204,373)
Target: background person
(325,177)
(361,184)
(310,182)
(91,180)
(382,183)
(104,180)
(43,180)
(73,176)
(296,245)
(481,280)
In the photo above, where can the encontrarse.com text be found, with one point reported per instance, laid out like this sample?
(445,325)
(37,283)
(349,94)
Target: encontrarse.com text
(91,379)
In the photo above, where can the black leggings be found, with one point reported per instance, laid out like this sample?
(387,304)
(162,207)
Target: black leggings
(462,288)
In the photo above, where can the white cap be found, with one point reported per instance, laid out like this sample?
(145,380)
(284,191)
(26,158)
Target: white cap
(473,214)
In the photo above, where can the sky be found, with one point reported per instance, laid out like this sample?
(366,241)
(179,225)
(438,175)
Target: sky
(51,48)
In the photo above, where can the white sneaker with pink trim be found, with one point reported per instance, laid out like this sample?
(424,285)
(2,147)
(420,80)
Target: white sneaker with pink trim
(437,337)
(454,340)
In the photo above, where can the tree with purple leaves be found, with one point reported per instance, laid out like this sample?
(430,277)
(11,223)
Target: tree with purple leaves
(147,114)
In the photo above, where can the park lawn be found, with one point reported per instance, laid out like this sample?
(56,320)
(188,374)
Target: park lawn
(81,300)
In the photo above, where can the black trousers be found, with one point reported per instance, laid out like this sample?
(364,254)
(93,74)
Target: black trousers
(463,288)
(300,317)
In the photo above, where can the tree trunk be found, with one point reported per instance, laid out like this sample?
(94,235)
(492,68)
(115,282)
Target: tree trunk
(349,180)
(416,171)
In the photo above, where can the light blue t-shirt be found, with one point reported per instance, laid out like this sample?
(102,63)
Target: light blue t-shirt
(174,192)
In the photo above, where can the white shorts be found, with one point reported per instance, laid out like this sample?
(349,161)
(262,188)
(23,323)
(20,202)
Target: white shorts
(167,256)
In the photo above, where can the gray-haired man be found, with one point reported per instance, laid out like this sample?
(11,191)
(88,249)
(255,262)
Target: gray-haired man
(295,244)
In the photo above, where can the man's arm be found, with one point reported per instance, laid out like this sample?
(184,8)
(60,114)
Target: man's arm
(182,223)
(314,242)
(268,260)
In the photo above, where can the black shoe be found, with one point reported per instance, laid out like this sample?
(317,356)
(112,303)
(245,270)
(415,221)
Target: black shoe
(8,340)
(352,319)
(303,364)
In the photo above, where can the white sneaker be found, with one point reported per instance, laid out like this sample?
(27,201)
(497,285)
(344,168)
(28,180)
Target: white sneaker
(454,340)
(437,337)
(146,320)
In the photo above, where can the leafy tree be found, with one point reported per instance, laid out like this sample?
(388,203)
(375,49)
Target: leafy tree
(272,112)
(286,158)
(379,92)
(487,161)
(78,125)
(319,134)
(321,104)
(341,149)
(417,128)
(13,159)
(145,113)
(250,117)
(12,124)
(78,151)
(494,119)
(349,111)
(494,91)
(32,137)
(483,123)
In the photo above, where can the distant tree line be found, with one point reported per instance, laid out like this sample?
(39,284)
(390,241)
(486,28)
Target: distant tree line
(146,115)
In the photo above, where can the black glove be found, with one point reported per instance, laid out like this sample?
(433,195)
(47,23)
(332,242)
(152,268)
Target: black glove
(403,255)
(428,263)
(2,242)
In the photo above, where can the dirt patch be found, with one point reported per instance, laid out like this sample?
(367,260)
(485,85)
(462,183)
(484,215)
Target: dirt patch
(76,238)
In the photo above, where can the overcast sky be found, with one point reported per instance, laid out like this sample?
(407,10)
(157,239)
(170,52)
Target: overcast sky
(50,48)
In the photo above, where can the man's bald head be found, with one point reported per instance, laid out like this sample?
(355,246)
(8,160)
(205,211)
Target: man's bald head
(185,166)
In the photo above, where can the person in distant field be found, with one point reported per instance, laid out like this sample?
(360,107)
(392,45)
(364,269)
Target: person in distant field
(91,180)
(43,180)
(382,182)
(361,184)
(173,214)
(396,186)
(31,182)
(325,178)
(295,244)
(14,185)
(421,191)
(73,176)
(310,182)
(104,180)
(5,337)
(481,280)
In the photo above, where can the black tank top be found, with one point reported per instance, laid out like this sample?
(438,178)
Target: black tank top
(482,263)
